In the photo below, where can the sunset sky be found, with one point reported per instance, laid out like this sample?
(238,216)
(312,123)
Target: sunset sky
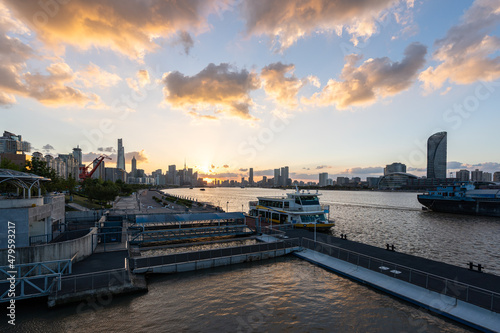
(339,86)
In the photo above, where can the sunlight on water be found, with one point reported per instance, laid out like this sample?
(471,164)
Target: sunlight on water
(286,294)
(377,218)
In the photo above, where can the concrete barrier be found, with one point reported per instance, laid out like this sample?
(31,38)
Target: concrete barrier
(83,247)
(213,262)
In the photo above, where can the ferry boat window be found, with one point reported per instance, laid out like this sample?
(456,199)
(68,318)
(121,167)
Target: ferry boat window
(276,217)
(309,200)
(283,218)
(313,218)
(287,204)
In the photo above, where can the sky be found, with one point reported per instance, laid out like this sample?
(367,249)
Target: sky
(340,86)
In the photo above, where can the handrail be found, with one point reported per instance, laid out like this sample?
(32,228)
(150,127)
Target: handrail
(468,287)
(288,243)
(404,267)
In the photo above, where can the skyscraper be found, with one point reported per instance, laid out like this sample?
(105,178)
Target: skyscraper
(120,161)
(77,154)
(284,176)
(134,167)
(250,176)
(323,179)
(276,177)
(436,156)
(394,167)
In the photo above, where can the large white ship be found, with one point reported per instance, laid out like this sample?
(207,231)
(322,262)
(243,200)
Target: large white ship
(301,209)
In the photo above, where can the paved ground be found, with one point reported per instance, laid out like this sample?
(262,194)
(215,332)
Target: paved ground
(98,262)
(481,280)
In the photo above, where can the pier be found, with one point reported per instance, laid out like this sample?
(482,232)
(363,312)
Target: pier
(469,297)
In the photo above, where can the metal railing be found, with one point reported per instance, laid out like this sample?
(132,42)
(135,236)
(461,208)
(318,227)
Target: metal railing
(28,287)
(185,233)
(37,269)
(61,237)
(90,281)
(461,291)
(211,254)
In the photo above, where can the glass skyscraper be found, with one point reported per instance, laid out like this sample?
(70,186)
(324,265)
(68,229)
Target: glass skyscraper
(436,156)
(120,163)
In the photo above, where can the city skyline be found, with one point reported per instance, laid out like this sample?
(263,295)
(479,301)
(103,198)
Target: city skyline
(252,84)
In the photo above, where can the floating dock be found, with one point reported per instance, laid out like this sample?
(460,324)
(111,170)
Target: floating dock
(469,297)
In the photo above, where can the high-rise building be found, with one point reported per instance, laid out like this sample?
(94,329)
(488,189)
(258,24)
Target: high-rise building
(496,176)
(134,167)
(394,167)
(120,160)
(171,175)
(277,177)
(476,176)
(436,155)
(323,179)
(487,176)
(77,154)
(250,177)
(11,143)
(284,176)
(463,175)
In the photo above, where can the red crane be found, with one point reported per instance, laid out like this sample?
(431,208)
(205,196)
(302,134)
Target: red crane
(84,173)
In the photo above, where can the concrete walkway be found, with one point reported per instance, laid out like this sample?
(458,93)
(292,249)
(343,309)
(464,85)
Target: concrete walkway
(450,307)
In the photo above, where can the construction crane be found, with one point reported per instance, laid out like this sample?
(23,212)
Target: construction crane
(84,170)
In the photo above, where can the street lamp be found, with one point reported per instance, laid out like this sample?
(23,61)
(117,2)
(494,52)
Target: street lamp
(227,206)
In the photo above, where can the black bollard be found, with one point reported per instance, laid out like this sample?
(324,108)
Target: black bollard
(471,266)
(387,247)
(479,267)
(392,247)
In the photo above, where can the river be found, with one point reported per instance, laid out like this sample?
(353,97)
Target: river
(287,294)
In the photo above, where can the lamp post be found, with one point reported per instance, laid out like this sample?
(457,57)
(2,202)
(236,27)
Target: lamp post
(227,207)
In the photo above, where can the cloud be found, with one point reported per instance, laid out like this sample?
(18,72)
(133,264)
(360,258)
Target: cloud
(379,77)
(140,156)
(243,170)
(268,172)
(139,82)
(281,88)
(485,166)
(130,27)
(220,87)
(225,166)
(106,149)
(184,38)
(467,53)
(93,76)
(48,147)
(286,21)
(455,165)
(361,170)
(51,88)
(323,167)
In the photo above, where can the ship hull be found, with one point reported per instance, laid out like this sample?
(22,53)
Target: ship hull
(482,207)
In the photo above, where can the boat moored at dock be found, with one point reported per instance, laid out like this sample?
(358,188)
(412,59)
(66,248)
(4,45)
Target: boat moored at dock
(462,198)
(301,209)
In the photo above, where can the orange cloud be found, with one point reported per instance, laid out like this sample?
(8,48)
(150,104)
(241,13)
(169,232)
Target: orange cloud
(50,88)
(286,21)
(93,76)
(374,78)
(218,87)
(127,26)
(283,89)
(465,54)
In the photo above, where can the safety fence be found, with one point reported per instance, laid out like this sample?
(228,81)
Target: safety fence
(461,291)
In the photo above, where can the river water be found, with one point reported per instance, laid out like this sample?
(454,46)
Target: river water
(287,294)
(378,218)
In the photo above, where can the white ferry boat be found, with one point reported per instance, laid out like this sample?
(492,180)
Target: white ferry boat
(301,208)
